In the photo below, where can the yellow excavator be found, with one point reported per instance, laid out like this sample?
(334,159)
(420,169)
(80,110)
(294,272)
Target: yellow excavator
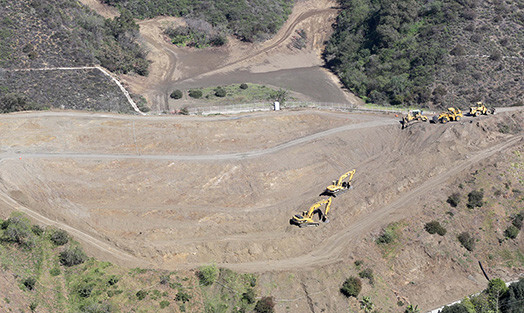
(451,114)
(339,186)
(306,218)
(479,109)
(414,115)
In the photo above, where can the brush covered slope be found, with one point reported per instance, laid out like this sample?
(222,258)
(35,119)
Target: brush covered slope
(50,34)
(430,53)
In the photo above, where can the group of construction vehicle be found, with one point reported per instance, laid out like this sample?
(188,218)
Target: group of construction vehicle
(452,114)
(338,187)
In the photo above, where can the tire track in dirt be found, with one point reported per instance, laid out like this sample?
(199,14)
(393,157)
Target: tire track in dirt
(79,235)
(205,157)
(333,247)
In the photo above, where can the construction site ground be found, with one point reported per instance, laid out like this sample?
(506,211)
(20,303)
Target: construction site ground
(179,192)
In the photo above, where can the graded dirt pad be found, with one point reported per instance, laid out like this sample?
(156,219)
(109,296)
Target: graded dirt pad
(188,200)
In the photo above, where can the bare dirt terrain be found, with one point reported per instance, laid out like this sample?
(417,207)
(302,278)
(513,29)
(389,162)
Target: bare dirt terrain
(179,192)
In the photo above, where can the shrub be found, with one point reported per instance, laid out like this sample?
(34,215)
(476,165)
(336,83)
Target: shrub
(97,308)
(182,296)
(496,287)
(177,94)
(141,294)
(195,93)
(351,287)
(367,273)
(467,241)
(517,220)
(29,283)
(454,199)
(249,296)
(54,271)
(72,256)
(164,304)
(184,111)
(243,86)
(18,230)
(220,92)
(475,199)
(113,279)
(265,305)
(511,232)
(458,50)
(164,279)
(83,289)
(495,56)
(59,237)
(32,306)
(455,308)
(37,230)
(207,275)
(435,227)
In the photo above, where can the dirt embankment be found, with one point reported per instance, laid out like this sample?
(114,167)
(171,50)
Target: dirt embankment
(183,210)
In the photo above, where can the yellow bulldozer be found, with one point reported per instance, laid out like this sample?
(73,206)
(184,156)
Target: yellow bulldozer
(479,109)
(341,185)
(414,115)
(451,114)
(306,218)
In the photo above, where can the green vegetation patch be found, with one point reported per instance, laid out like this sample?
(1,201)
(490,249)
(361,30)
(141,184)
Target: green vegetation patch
(249,20)
(236,93)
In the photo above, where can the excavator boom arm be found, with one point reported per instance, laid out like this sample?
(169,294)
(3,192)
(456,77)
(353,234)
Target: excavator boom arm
(341,179)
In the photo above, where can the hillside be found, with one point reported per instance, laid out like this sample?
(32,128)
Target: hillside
(146,192)
(249,20)
(434,54)
(51,33)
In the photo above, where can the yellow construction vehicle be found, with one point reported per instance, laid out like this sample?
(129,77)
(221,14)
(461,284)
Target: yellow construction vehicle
(451,114)
(480,109)
(306,218)
(414,115)
(340,186)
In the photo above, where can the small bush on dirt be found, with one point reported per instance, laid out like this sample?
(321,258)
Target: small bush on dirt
(435,227)
(113,279)
(388,236)
(54,271)
(265,305)
(351,287)
(59,237)
(207,275)
(454,199)
(97,308)
(141,294)
(164,279)
(83,289)
(37,230)
(243,86)
(18,229)
(195,93)
(517,220)
(184,111)
(220,92)
(511,232)
(249,296)
(29,283)
(367,273)
(72,256)
(467,241)
(358,263)
(32,306)
(475,199)
(164,304)
(177,94)
(182,296)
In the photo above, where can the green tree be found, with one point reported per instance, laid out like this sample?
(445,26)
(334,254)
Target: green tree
(351,287)
(207,274)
